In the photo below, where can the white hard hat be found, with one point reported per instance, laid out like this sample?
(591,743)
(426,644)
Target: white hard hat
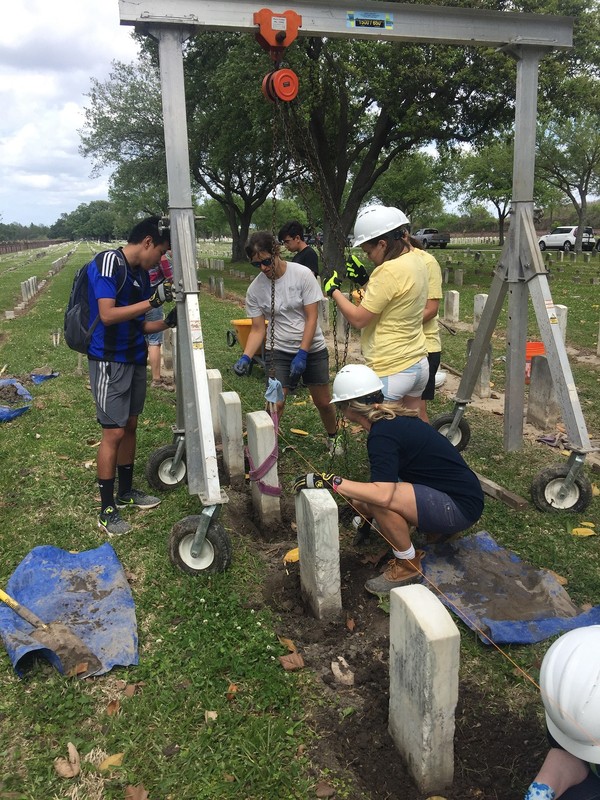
(376,221)
(355,381)
(570,686)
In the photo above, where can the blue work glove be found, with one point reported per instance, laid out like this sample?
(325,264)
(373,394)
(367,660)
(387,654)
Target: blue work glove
(162,294)
(335,282)
(171,318)
(242,366)
(356,271)
(316,480)
(298,364)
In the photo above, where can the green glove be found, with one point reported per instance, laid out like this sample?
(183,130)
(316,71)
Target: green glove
(356,271)
(316,480)
(335,282)
(162,294)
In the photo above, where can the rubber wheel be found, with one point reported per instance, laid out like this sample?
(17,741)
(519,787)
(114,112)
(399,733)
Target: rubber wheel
(443,245)
(158,469)
(567,247)
(463,434)
(546,486)
(424,244)
(215,555)
(542,246)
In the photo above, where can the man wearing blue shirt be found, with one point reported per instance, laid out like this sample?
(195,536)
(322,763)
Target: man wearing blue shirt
(119,292)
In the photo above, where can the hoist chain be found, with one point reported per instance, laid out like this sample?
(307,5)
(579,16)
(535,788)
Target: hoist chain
(274,153)
(292,124)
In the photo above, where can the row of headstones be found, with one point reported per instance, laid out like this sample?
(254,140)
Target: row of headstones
(32,286)
(212,263)
(29,289)
(572,256)
(424,640)
(456,274)
(216,286)
(543,407)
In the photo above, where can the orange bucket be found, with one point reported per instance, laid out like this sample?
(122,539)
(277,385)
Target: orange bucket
(532,349)
(242,330)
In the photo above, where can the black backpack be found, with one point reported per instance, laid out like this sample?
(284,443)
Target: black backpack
(77,328)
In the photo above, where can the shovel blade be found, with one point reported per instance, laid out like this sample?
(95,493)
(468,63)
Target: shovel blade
(75,656)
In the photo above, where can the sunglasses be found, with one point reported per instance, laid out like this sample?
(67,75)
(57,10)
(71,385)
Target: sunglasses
(266,262)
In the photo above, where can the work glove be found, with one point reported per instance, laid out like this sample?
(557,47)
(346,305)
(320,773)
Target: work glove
(298,364)
(242,366)
(356,271)
(314,480)
(162,294)
(171,318)
(335,282)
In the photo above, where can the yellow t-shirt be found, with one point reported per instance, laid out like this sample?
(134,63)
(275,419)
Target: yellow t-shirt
(397,293)
(434,292)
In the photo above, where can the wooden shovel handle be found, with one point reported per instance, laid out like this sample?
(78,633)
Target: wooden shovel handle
(23,612)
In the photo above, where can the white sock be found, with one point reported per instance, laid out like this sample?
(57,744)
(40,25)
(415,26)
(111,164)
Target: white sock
(410,553)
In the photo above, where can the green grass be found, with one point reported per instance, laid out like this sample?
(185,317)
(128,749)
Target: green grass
(199,635)
(196,637)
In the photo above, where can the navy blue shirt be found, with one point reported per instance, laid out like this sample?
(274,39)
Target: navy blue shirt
(410,449)
(124,341)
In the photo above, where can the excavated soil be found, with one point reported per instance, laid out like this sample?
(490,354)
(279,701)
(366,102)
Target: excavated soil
(494,759)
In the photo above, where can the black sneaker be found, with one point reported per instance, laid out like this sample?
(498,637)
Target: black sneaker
(136,499)
(111,522)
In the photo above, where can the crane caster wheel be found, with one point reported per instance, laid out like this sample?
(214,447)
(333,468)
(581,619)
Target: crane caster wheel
(546,486)
(460,438)
(158,469)
(215,555)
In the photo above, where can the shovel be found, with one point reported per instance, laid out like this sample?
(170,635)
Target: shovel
(75,656)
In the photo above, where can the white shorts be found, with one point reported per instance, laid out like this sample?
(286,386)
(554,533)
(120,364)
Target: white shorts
(410,382)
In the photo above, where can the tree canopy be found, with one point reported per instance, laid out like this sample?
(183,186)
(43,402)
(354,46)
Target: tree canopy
(569,160)
(363,109)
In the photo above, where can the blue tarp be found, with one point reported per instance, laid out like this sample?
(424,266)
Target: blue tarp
(87,591)
(7,413)
(40,378)
(497,595)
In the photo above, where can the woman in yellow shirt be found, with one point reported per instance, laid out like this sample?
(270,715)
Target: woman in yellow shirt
(390,315)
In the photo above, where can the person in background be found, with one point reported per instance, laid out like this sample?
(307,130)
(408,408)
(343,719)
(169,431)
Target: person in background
(291,235)
(418,478)
(117,356)
(390,315)
(163,271)
(431,329)
(570,688)
(299,350)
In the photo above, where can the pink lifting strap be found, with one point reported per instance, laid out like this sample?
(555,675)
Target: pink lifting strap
(256,473)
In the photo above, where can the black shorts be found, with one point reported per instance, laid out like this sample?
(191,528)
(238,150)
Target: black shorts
(315,374)
(434,363)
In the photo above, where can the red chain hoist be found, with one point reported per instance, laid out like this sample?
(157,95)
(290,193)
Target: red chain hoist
(277,31)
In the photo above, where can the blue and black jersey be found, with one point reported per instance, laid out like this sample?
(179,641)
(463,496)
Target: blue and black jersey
(123,342)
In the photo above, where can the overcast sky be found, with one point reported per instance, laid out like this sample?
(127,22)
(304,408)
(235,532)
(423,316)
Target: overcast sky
(50,49)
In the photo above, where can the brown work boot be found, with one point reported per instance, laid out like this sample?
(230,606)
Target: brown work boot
(399,572)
